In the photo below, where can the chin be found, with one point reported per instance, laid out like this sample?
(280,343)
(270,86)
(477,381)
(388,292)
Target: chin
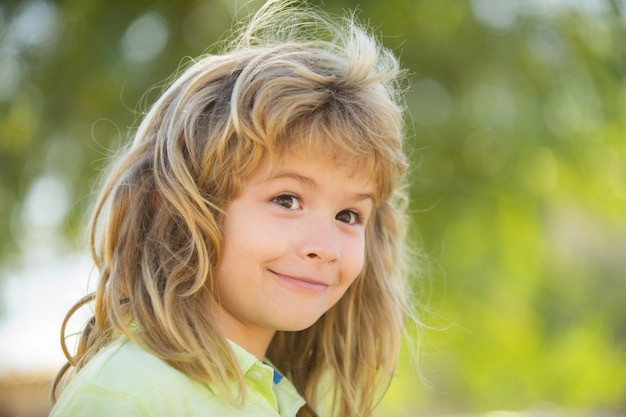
(298,325)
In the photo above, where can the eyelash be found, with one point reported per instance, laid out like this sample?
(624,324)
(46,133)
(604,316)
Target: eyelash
(280,200)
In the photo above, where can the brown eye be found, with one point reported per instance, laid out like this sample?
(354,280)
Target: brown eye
(287,201)
(348,217)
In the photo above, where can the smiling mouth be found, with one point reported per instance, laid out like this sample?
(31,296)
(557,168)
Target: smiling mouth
(302,282)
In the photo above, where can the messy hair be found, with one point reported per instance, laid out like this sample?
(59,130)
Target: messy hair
(291,77)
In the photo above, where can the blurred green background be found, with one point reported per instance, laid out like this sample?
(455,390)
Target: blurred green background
(517,133)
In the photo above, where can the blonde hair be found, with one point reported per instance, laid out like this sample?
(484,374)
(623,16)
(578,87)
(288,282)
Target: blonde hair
(291,77)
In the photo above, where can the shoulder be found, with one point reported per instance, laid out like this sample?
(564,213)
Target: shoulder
(128,381)
(126,367)
(125,379)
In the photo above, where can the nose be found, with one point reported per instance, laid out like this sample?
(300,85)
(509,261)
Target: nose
(320,242)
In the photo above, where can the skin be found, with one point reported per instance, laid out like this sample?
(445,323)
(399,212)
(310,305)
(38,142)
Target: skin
(294,243)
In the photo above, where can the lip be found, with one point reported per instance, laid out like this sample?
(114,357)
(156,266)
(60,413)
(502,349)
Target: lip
(306,283)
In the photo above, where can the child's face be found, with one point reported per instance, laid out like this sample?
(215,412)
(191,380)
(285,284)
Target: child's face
(294,241)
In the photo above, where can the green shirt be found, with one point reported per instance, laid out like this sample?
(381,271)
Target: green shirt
(126,381)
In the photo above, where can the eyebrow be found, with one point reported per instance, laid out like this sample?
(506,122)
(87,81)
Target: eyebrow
(310,182)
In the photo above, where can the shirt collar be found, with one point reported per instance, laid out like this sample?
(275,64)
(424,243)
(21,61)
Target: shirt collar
(286,399)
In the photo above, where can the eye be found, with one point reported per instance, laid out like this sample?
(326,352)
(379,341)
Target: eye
(348,217)
(287,201)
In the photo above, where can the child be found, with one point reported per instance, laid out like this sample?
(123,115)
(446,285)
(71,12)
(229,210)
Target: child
(249,242)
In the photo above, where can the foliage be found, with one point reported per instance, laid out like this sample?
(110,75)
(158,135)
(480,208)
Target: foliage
(518,136)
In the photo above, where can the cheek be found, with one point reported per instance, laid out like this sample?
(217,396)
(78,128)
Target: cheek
(355,261)
(255,238)
(245,226)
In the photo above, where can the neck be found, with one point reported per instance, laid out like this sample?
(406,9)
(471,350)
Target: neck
(255,344)
(252,338)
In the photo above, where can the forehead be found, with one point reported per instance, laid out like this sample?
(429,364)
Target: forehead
(321,156)
(316,169)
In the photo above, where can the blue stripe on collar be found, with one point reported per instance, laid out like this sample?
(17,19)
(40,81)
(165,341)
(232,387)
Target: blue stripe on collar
(277,376)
